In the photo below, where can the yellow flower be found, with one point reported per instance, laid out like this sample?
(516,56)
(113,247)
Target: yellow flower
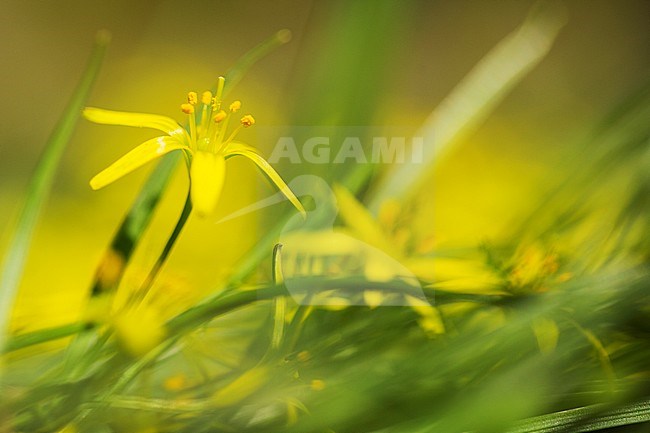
(138,330)
(205,145)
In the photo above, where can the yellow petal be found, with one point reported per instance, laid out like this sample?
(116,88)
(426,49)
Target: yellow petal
(207,173)
(236,148)
(139,156)
(141,120)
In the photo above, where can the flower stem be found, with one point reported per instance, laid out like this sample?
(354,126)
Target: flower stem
(162,258)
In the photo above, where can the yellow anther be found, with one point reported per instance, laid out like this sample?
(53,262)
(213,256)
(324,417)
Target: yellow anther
(187,108)
(206,97)
(192,98)
(247,120)
(235,106)
(220,116)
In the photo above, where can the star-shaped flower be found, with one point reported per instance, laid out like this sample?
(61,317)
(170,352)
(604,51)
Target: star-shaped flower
(206,145)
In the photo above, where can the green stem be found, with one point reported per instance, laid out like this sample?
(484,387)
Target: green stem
(179,324)
(217,306)
(280,301)
(223,303)
(134,224)
(162,258)
(44,336)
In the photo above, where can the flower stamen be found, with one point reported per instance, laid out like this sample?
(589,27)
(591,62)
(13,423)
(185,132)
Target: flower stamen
(206,100)
(220,116)
(221,82)
(223,127)
(214,128)
(206,97)
(189,110)
(192,98)
(247,121)
(203,145)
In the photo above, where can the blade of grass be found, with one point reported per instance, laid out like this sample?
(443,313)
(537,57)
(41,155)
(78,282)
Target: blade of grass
(42,336)
(237,72)
(586,419)
(226,301)
(474,98)
(328,87)
(40,185)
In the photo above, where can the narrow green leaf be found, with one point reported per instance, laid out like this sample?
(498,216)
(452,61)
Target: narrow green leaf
(42,336)
(237,72)
(586,419)
(40,185)
(475,97)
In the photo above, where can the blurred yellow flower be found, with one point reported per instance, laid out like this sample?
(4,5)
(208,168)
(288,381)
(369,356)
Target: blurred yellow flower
(138,330)
(317,385)
(205,144)
(532,268)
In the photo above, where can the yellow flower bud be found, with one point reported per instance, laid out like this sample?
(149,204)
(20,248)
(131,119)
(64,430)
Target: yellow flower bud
(247,120)
(235,106)
(192,98)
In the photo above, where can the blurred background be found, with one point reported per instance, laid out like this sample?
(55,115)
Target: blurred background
(349,63)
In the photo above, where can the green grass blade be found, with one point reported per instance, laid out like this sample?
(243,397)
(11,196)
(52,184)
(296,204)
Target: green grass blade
(326,86)
(237,72)
(41,182)
(586,419)
(43,336)
(474,98)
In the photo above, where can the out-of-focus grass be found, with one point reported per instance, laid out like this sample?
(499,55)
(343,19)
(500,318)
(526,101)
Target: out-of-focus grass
(542,240)
(13,260)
